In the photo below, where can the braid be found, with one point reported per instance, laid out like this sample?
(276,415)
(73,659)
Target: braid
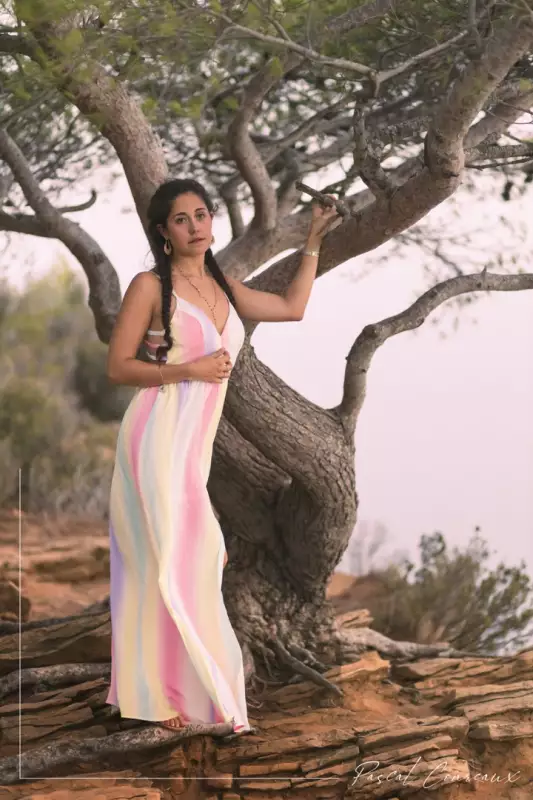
(166,298)
(162,268)
(218,275)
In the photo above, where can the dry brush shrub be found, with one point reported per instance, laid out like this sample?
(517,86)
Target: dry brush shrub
(63,452)
(454,596)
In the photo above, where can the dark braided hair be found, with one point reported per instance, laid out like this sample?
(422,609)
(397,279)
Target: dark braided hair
(159,210)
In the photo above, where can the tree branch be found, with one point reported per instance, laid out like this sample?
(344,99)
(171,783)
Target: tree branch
(343,64)
(339,205)
(287,44)
(24,223)
(444,151)
(240,258)
(288,194)
(499,117)
(104,287)
(326,121)
(426,55)
(245,153)
(357,17)
(15,44)
(81,206)
(375,335)
(499,152)
(418,187)
(105,101)
(367,155)
(378,126)
(273,148)
(229,195)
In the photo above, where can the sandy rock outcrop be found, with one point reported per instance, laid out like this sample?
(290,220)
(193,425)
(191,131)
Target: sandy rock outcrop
(435,727)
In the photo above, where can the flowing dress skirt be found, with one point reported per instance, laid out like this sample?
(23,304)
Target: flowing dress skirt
(174,649)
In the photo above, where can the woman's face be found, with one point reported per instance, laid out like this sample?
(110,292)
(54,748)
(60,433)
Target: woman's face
(189,225)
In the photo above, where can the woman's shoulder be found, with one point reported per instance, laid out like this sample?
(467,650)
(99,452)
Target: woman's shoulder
(144,281)
(152,272)
(146,276)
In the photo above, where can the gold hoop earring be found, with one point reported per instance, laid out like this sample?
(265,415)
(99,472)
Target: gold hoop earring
(167,247)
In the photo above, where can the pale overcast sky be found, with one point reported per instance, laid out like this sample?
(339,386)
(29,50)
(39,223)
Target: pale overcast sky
(445,438)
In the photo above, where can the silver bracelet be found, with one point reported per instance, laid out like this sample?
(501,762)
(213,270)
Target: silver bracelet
(315,253)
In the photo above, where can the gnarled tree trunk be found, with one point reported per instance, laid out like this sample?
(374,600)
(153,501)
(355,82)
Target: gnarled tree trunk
(283,483)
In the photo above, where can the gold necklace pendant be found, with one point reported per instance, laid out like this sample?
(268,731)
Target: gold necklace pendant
(211,307)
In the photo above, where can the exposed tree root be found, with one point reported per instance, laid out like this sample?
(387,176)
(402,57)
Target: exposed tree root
(303,669)
(255,689)
(357,640)
(307,657)
(46,761)
(99,607)
(7,627)
(43,678)
(267,659)
(253,703)
(237,735)
(248,662)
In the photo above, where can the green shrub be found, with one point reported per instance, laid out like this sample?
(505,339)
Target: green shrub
(454,597)
(96,394)
(53,394)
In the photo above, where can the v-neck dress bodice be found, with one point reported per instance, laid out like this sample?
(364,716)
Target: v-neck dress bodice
(174,650)
(194,333)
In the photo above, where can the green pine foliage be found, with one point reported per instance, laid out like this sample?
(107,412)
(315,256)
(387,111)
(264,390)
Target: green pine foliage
(188,68)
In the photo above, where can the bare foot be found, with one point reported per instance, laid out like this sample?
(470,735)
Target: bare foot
(172,723)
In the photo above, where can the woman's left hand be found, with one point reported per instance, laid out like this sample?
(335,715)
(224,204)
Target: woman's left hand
(324,219)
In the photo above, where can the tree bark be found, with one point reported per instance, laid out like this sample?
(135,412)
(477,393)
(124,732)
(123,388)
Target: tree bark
(284,532)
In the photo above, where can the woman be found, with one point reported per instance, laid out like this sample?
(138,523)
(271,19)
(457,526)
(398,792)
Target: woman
(175,656)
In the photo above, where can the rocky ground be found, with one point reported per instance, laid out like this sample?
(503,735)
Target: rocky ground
(440,727)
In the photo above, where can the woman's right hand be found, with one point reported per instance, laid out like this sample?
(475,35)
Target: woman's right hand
(213,368)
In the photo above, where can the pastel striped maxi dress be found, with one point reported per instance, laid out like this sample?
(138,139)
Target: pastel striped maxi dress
(174,649)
